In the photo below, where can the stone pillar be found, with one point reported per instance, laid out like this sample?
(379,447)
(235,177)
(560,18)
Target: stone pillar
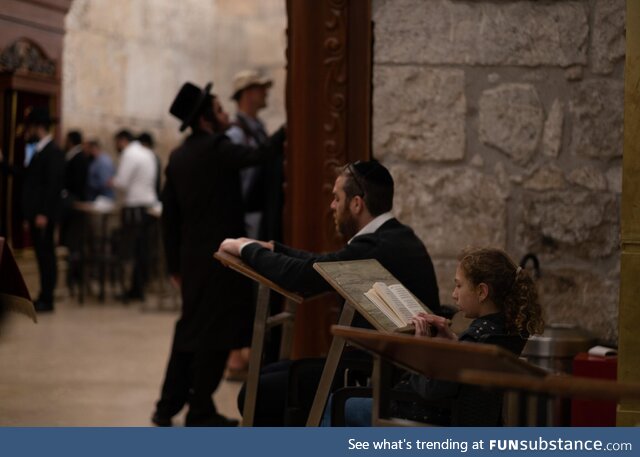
(629,343)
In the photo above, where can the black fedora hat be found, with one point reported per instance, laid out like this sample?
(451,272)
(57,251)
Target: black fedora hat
(38,115)
(188,102)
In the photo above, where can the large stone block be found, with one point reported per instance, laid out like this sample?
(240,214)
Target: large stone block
(451,209)
(267,41)
(589,177)
(596,109)
(586,298)
(546,177)
(607,35)
(580,223)
(481,33)
(252,9)
(175,24)
(552,136)
(511,120)
(425,120)
(614,179)
(121,19)
(96,74)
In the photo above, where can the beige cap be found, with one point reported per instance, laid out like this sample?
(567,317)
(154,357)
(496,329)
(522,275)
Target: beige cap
(248,78)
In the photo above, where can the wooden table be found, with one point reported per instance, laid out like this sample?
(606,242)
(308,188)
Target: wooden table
(482,365)
(102,257)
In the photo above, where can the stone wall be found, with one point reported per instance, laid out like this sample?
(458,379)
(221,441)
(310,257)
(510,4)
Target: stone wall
(124,60)
(502,125)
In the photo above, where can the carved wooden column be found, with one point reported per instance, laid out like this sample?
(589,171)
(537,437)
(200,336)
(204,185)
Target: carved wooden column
(629,311)
(329,121)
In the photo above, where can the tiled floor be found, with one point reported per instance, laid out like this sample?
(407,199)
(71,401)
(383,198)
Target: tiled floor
(96,365)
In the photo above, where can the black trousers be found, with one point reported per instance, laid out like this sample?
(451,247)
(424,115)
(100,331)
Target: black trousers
(286,389)
(135,240)
(191,378)
(46,257)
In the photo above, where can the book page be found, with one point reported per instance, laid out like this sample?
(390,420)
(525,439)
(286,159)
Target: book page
(394,302)
(382,306)
(408,299)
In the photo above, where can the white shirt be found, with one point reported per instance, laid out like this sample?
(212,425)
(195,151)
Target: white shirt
(71,153)
(31,149)
(136,175)
(40,145)
(374,225)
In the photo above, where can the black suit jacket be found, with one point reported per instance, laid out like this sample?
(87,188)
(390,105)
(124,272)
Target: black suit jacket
(202,205)
(75,176)
(394,245)
(43,183)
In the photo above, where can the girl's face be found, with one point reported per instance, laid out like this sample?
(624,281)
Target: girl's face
(466,295)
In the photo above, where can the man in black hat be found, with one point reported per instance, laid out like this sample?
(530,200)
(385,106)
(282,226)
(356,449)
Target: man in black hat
(202,205)
(42,200)
(362,203)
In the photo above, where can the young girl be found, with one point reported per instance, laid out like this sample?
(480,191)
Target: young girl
(502,299)
(499,295)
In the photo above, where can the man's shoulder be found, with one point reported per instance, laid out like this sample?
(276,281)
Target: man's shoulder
(392,239)
(52,148)
(392,228)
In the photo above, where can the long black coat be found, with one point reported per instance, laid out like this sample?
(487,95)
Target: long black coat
(394,245)
(43,183)
(202,205)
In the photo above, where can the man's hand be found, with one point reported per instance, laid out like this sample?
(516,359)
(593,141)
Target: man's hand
(41,221)
(232,245)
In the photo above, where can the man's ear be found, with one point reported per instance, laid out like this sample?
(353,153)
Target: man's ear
(356,204)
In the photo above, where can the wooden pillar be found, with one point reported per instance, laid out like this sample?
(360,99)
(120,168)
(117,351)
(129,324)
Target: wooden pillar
(629,309)
(329,124)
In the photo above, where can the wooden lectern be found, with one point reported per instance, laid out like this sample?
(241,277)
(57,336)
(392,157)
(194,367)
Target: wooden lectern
(14,295)
(262,322)
(351,279)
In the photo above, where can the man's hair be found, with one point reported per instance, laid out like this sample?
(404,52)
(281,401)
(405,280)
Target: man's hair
(371,181)
(124,134)
(146,138)
(206,111)
(74,137)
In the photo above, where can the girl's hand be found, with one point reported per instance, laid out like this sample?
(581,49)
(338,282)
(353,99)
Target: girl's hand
(421,325)
(423,321)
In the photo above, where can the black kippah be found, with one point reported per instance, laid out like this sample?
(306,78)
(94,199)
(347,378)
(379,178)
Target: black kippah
(374,172)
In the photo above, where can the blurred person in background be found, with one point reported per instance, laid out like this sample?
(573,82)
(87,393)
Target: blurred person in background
(136,179)
(202,205)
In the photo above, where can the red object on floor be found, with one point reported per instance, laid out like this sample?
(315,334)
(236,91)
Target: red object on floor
(594,413)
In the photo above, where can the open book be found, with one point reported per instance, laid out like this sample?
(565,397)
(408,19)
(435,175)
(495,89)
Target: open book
(396,302)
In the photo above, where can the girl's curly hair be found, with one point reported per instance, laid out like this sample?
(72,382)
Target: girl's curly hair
(510,288)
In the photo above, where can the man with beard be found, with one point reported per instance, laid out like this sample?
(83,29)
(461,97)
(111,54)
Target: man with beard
(362,203)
